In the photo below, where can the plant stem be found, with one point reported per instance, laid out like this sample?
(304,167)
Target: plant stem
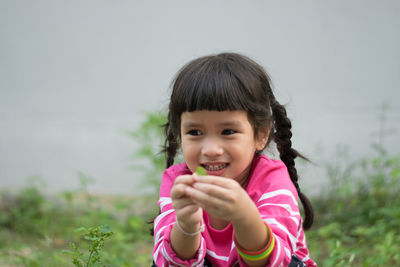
(90,257)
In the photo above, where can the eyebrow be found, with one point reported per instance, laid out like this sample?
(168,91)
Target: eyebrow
(229,123)
(190,124)
(235,123)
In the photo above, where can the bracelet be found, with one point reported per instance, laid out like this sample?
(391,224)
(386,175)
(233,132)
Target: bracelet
(260,254)
(189,234)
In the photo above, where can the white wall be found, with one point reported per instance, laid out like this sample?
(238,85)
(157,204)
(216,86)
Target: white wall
(75,74)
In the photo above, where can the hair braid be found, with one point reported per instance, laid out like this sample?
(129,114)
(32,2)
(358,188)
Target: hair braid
(171,144)
(281,135)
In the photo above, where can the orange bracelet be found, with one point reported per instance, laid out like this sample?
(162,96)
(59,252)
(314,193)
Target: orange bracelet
(260,254)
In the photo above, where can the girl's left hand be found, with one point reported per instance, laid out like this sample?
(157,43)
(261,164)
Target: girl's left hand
(221,197)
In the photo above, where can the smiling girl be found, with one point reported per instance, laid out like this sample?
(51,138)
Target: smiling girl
(244,212)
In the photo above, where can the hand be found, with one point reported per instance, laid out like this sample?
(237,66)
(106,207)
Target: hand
(221,197)
(187,211)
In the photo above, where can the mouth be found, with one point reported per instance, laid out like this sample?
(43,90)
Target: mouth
(214,167)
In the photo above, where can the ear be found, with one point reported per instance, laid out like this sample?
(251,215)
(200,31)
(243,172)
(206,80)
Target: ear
(262,139)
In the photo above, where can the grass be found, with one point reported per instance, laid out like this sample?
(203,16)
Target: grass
(358,217)
(37,230)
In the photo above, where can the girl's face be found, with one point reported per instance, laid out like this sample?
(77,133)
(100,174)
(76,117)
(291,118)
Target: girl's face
(223,142)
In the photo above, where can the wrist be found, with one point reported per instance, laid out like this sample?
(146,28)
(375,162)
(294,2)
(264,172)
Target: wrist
(183,245)
(257,255)
(250,231)
(189,229)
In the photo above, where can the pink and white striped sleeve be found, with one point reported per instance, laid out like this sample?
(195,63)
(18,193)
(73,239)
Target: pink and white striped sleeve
(277,201)
(279,209)
(163,254)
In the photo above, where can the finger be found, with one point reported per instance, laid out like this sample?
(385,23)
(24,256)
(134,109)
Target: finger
(182,202)
(181,182)
(213,190)
(204,200)
(178,191)
(189,214)
(216,180)
(184,179)
(187,210)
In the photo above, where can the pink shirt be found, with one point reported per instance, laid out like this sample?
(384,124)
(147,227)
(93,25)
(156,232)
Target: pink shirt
(274,194)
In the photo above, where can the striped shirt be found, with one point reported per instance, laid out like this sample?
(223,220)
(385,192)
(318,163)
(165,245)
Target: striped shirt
(275,196)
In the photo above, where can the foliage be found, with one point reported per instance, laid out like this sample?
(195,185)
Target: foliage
(357,222)
(96,236)
(358,215)
(150,161)
(18,212)
(150,138)
(35,228)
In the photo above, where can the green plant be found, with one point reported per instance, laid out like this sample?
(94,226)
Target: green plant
(357,217)
(24,211)
(96,237)
(35,227)
(149,136)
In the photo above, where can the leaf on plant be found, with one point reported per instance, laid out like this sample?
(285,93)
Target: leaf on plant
(80,229)
(66,251)
(105,229)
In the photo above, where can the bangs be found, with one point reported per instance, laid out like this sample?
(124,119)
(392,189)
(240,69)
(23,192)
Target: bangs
(218,83)
(211,85)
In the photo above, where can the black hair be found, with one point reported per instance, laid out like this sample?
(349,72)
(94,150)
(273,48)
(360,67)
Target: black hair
(230,81)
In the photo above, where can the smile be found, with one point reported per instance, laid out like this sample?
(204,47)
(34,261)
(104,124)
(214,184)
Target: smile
(214,167)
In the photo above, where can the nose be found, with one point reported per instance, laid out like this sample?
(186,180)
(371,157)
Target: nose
(211,148)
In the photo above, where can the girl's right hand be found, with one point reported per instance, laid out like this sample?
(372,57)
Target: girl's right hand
(187,212)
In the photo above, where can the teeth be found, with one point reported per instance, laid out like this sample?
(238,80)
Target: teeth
(215,167)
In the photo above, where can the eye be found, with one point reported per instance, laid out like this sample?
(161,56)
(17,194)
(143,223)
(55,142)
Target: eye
(228,132)
(194,132)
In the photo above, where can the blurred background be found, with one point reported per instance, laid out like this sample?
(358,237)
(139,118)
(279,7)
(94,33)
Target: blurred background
(84,86)
(75,76)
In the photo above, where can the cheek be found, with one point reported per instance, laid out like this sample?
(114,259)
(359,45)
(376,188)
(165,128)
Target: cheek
(185,145)
(190,155)
(189,149)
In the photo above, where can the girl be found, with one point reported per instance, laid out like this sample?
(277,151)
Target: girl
(244,212)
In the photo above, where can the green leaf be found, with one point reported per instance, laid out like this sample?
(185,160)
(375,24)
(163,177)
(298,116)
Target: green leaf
(80,229)
(66,251)
(201,171)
